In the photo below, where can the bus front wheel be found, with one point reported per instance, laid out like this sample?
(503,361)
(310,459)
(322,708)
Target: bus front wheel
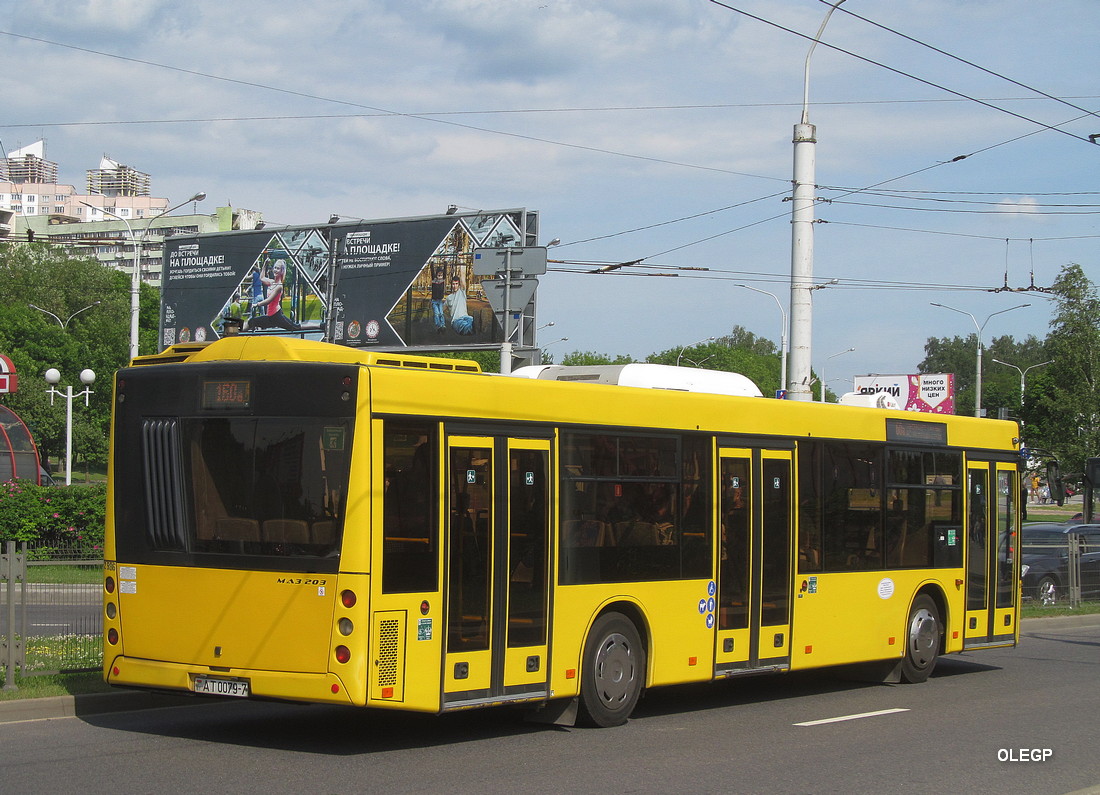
(923,634)
(612,671)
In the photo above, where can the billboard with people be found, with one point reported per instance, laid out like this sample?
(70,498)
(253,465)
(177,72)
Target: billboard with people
(406,282)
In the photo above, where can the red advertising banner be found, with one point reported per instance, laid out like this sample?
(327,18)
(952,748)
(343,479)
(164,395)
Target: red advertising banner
(932,393)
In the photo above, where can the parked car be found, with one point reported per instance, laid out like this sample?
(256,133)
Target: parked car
(1044,557)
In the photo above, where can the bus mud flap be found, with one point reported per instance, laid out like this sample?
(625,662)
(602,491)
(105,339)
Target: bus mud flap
(558,712)
(883,671)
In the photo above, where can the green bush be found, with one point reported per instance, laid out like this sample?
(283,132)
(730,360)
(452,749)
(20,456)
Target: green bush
(52,518)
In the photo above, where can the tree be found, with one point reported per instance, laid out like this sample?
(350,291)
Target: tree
(95,338)
(1064,408)
(1000,384)
(740,351)
(591,358)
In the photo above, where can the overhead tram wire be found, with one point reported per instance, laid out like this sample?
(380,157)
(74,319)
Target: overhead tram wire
(852,191)
(906,193)
(675,220)
(710,274)
(955,234)
(384,111)
(381,114)
(1013,209)
(304,95)
(998,75)
(900,72)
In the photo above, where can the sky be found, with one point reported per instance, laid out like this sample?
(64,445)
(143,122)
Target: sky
(656,131)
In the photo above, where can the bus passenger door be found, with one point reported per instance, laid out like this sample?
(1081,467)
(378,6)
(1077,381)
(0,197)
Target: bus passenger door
(498,534)
(992,555)
(754,571)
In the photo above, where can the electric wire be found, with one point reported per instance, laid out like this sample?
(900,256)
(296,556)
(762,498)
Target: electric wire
(902,73)
(880,26)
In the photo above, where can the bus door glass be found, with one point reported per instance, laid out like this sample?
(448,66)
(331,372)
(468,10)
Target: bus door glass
(754,575)
(992,555)
(498,520)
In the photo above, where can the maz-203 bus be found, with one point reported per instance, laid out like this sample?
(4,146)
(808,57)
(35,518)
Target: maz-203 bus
(295,520)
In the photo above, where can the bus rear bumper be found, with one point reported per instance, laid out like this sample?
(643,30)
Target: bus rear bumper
(325,688)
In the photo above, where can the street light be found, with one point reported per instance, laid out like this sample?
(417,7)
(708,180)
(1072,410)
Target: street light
(63,323)
(822,379)
(135,279)
(53,377)
(692,345)
(1023,374)
(782,335)
(803,198)
(978,368)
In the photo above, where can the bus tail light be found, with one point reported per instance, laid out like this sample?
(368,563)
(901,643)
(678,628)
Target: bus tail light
(345,626)
(343,654)
(109,585)
(347,598)
(112,636)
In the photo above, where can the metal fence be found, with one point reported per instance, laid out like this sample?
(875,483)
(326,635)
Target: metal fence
(51,603)
(1062,568)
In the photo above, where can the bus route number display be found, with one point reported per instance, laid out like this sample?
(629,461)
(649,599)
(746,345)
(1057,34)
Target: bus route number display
(226,394)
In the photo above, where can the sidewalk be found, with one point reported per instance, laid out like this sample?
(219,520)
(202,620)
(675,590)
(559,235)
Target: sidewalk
(83,706)
(88,704)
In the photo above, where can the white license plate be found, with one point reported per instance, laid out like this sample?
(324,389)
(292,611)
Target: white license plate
(222,687)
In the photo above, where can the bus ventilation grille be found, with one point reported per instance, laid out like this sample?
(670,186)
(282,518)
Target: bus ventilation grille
(422,364)
(171,355)
(163,471)
(389,637)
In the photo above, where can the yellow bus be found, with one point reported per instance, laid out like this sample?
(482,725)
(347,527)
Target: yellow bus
(294,520)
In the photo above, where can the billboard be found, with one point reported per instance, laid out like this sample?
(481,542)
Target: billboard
(406,282)
(933,393)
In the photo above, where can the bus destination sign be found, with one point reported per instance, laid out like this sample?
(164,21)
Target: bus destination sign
(226,394)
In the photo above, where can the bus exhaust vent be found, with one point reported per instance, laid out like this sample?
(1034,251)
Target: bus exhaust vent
(389,638)
(165,516)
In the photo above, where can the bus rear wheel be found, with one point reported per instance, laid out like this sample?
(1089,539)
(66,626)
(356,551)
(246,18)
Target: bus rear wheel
(612,671)
(923,637)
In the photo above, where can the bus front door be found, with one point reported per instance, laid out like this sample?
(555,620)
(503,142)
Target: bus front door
(992,555)
(498,535)
(754,571)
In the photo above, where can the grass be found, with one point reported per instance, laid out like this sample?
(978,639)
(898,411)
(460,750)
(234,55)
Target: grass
(1059,609)
(61,574)
(53,653)
(54,685)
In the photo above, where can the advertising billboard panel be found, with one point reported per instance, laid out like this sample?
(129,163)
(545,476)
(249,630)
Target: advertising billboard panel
(404,282)
(933,393)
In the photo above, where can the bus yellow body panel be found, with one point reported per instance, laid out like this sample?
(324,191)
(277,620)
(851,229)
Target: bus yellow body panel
(443,638)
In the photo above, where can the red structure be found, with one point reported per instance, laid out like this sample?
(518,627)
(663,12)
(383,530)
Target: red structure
(18,452)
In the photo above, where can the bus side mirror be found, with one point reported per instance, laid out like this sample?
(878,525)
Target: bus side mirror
(1054,483)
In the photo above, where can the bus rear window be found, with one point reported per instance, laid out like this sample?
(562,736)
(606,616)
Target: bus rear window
(254,486)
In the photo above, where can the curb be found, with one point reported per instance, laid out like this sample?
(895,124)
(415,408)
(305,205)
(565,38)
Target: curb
(87,704)
(1029,626)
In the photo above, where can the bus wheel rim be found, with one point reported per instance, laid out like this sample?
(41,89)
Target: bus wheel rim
(615,670)
(922,637)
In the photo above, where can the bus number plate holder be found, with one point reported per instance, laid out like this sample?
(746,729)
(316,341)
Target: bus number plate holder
(217,686)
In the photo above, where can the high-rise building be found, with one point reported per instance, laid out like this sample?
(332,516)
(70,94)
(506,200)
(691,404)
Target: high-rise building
(115,215)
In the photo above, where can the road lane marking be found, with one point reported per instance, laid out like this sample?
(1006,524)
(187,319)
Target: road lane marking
(852,717)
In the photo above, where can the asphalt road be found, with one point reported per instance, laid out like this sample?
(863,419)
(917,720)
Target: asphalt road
(982,724)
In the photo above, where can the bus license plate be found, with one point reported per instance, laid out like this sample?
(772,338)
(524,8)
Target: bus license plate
(222,687)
